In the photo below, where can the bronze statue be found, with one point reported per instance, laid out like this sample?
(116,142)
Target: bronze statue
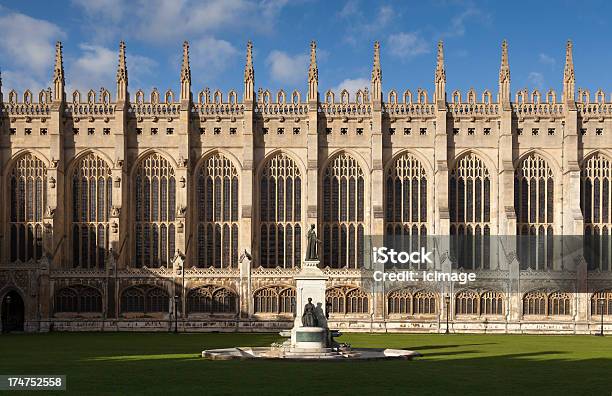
(309,319)
(311,250)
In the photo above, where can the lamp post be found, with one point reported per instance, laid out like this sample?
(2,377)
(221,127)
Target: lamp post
(176,313)
(447,301)
(601,309)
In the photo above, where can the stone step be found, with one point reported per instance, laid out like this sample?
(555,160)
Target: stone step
(310,350)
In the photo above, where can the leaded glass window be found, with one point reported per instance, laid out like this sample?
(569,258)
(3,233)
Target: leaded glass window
(78,299)
(406,204)
(155,186)
(541,303)
(144,299)
(91,204)
(280,203)
(274,300)
(470,213)
(346,300)
(595,202)
(217,197)
(211,299)
(28,186)
(601,301)
(343,213)
(533,203)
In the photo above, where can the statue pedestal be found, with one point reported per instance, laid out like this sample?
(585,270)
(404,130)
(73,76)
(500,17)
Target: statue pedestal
(310,283)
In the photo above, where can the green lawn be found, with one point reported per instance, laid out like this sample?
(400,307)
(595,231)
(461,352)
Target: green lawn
(169,364)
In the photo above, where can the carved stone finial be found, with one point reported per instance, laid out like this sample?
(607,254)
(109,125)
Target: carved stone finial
(376,70)
(440,75)
(440,71)
(185,67)
(569,63)
(504,70)
(185,74)
(58,73)
(313,70)
(569,79)
(249,71)
(122,74)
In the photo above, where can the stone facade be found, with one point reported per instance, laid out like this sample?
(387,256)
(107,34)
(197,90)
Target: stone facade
(171,147)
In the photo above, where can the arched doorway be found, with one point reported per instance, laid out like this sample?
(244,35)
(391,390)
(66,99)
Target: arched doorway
(12,312)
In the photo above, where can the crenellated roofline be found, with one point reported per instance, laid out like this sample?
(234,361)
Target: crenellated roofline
(260,97)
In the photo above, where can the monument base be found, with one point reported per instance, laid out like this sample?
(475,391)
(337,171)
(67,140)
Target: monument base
(309,337)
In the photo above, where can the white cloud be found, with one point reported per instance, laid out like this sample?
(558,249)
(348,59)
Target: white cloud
(20,81)
(28,43)
(97,66)
(359,26)
(350,8)
(159,20)
(112,9)
(537,79)
(407,45)
(285,68)
(547,60)
(210,55)
(458,23)
(352,86)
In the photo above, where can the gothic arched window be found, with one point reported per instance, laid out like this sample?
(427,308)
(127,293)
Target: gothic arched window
(280,194)
(424,303)
(400,302)
(28,186)
(406,204)
(155,187)
(91,203)
(601,301)
(343,213)
(217,197)
(347,300)
(559,304)
(470,213)
(533,204)
(274,300)
(596,205)
(211,299)
(78,299)
(144,299)
(491,303)
(534,303)
(466,303)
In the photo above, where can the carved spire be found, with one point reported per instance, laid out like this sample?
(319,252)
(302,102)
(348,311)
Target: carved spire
(440,76)
(122,74)
(313,73)
(58,74)
(504,75)
(249,73)
(185,74)
(569,80)
(376,74)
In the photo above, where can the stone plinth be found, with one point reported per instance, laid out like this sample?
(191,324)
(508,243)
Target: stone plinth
(310,283)
(309,338)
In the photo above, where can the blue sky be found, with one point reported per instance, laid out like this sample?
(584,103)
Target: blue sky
(281,31)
